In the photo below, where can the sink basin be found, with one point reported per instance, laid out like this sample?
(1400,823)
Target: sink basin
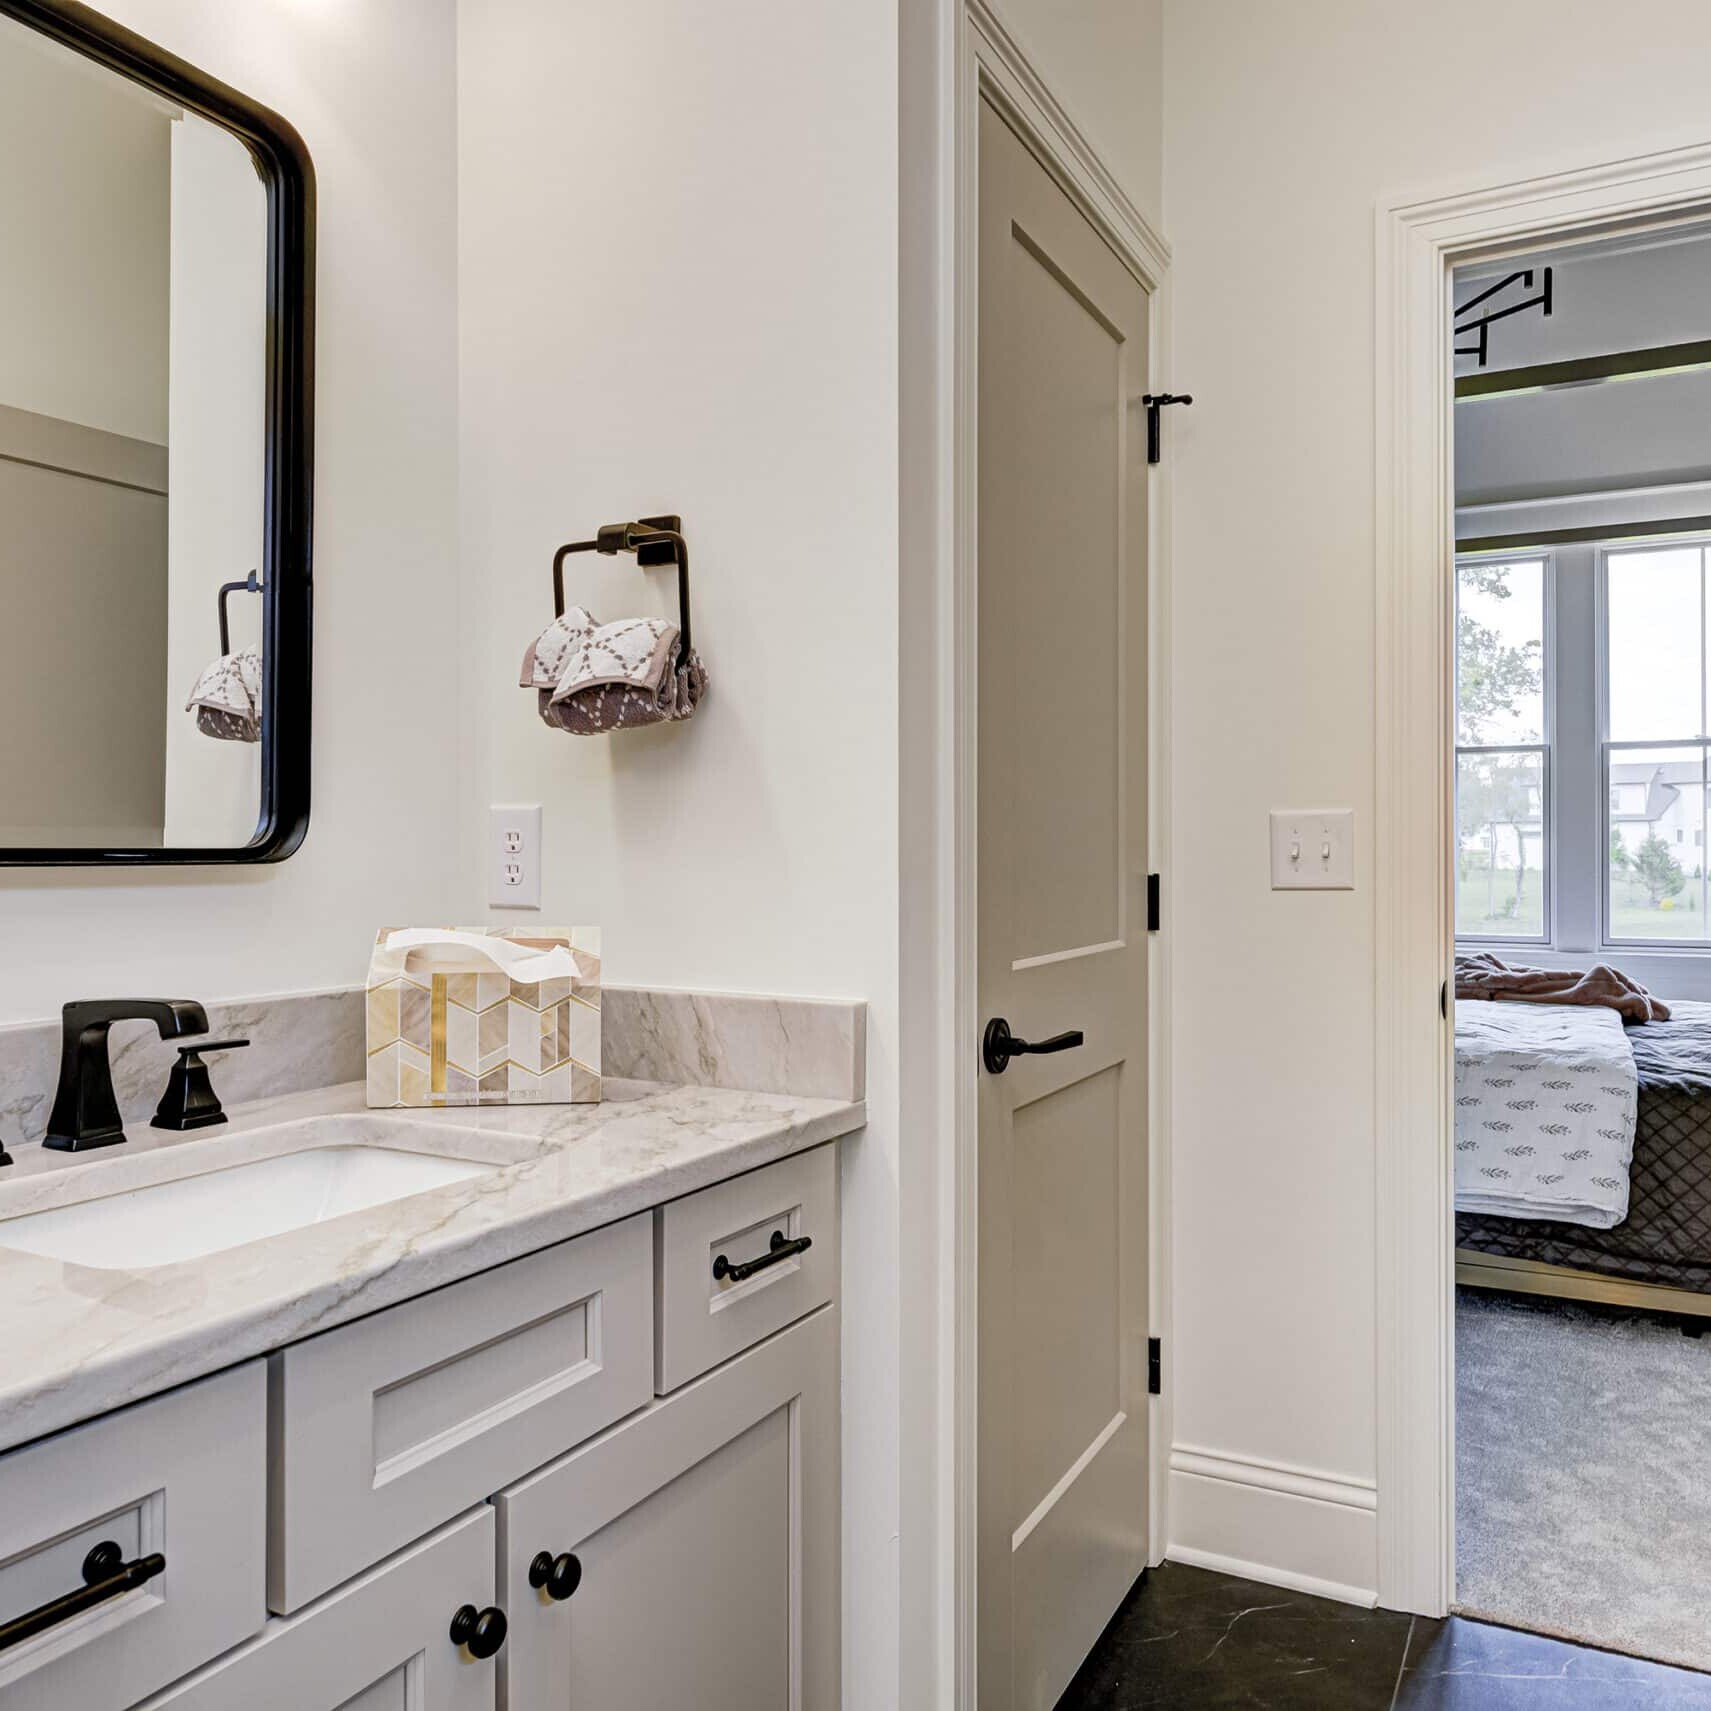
(221,1209)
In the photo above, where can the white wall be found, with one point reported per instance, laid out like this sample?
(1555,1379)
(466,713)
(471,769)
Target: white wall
(219,451)
(679,292)
(1283,127)
(83,300)
(371,85)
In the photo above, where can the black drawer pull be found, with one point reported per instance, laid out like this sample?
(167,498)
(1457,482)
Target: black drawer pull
(105,1575)
(559,1576)
(482,1631)
(782,1248)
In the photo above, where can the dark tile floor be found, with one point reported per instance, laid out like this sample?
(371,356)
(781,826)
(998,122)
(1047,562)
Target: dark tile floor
(1205,1642)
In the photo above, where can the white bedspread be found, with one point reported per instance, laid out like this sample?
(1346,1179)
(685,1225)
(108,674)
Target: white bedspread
(1545,1101)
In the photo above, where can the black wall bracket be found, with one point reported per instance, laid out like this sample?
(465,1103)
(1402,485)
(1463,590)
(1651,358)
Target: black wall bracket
(1155,1367)
(1155,402)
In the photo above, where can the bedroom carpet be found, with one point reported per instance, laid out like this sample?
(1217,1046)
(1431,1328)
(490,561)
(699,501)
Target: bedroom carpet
(1583,1474)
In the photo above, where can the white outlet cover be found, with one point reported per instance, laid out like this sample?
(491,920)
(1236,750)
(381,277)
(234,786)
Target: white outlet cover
(1312,849)
(514,855)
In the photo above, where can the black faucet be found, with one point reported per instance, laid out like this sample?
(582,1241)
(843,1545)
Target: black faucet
(85,1111)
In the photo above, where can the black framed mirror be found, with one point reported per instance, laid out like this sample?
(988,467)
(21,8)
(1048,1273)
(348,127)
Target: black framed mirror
(156,426)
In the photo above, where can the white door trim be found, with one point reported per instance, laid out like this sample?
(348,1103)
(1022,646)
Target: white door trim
(1419,237)
(985,60)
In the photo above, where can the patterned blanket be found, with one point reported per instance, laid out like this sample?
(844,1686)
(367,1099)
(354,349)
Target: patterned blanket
(1545,1104)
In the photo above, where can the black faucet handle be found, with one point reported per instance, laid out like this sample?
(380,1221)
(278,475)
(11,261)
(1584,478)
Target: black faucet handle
(190,1101)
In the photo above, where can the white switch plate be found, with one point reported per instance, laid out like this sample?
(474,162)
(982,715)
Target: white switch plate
(514,855)
(1313,849)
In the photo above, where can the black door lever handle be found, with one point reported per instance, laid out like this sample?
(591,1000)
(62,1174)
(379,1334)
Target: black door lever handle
(999,1045)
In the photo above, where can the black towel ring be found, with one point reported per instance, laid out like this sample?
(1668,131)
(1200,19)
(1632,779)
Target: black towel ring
(250,585)
(654,541)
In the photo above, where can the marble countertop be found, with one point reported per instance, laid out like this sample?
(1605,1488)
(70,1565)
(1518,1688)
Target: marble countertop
(79,1340)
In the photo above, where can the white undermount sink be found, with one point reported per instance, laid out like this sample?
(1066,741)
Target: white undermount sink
(229,1208)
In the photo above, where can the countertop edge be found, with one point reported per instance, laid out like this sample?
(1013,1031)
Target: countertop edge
(32,1409)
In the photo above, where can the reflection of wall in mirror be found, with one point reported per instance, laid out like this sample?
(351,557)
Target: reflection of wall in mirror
(84,199)
(218,397)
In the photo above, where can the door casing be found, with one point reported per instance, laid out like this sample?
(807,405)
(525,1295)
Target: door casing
(1420,238)
(972,56)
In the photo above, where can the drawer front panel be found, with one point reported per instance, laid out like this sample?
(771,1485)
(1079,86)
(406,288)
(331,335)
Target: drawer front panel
(703,1318)
(183,1475)
(384,1427)
(705,1538)
(381,1643)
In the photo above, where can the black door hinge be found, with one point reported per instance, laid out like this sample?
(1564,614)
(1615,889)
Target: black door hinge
(1155,402)
(1155,1366)
(1152,903)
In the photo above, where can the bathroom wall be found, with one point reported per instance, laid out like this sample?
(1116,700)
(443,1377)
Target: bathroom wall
(371,85)
(679,293)
(1283,127)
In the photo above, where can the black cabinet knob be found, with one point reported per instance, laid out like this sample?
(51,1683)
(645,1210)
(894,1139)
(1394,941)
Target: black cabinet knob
(482,1631)
(558,1576)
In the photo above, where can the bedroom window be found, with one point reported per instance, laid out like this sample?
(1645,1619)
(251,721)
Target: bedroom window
(1657,759)
(1503,853)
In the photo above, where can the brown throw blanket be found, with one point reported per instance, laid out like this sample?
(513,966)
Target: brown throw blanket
(1484,976)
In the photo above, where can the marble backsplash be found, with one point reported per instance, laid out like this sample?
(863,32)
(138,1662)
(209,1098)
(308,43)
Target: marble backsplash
(811,1047)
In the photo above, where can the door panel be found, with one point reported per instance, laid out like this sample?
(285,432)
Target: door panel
(1061,915)
(1064,1172)
(1061,613)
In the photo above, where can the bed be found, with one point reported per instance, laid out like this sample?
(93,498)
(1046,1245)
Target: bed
(1659,1254)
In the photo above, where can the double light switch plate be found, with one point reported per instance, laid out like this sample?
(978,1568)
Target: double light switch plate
(1312,849)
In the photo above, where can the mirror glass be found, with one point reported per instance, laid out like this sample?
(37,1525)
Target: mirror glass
(133,457)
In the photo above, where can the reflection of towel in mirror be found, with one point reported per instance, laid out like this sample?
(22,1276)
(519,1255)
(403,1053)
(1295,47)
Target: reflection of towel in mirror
(227,698)
(595,677)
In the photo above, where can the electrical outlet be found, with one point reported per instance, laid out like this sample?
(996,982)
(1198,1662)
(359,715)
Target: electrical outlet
(514,840)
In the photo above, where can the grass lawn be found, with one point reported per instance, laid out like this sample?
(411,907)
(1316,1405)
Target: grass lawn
(1486,909)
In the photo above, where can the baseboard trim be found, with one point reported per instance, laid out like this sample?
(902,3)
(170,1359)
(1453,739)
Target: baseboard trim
(1267,1575)
(1306,1529)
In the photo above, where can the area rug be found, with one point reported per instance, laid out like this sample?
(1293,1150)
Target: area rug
(1583,1475)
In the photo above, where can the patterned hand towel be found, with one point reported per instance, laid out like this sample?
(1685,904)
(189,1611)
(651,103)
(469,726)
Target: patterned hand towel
(227,698)
(593,677)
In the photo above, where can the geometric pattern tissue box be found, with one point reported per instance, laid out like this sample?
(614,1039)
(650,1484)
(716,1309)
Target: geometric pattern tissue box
(448,1025)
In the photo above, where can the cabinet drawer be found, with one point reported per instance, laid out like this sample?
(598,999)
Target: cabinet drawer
(182,1475)
(382,1642)
(703,1545)
(384,1427)
(703,1318)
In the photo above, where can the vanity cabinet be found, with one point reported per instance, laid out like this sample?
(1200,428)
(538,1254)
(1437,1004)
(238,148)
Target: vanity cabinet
(381,1643)
(621,1451)
(689,1556)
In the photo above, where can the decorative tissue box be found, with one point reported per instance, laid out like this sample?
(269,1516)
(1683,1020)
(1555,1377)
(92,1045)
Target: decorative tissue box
(484,1017)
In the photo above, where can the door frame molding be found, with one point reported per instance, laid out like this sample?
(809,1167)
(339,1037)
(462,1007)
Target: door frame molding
(974,56)
(1419,237)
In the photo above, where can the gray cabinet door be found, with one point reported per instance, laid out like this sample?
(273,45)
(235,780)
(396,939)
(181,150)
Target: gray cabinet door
(705,1531)
(380,1643)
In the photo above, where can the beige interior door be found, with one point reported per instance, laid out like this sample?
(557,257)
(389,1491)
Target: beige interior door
(1061,923)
